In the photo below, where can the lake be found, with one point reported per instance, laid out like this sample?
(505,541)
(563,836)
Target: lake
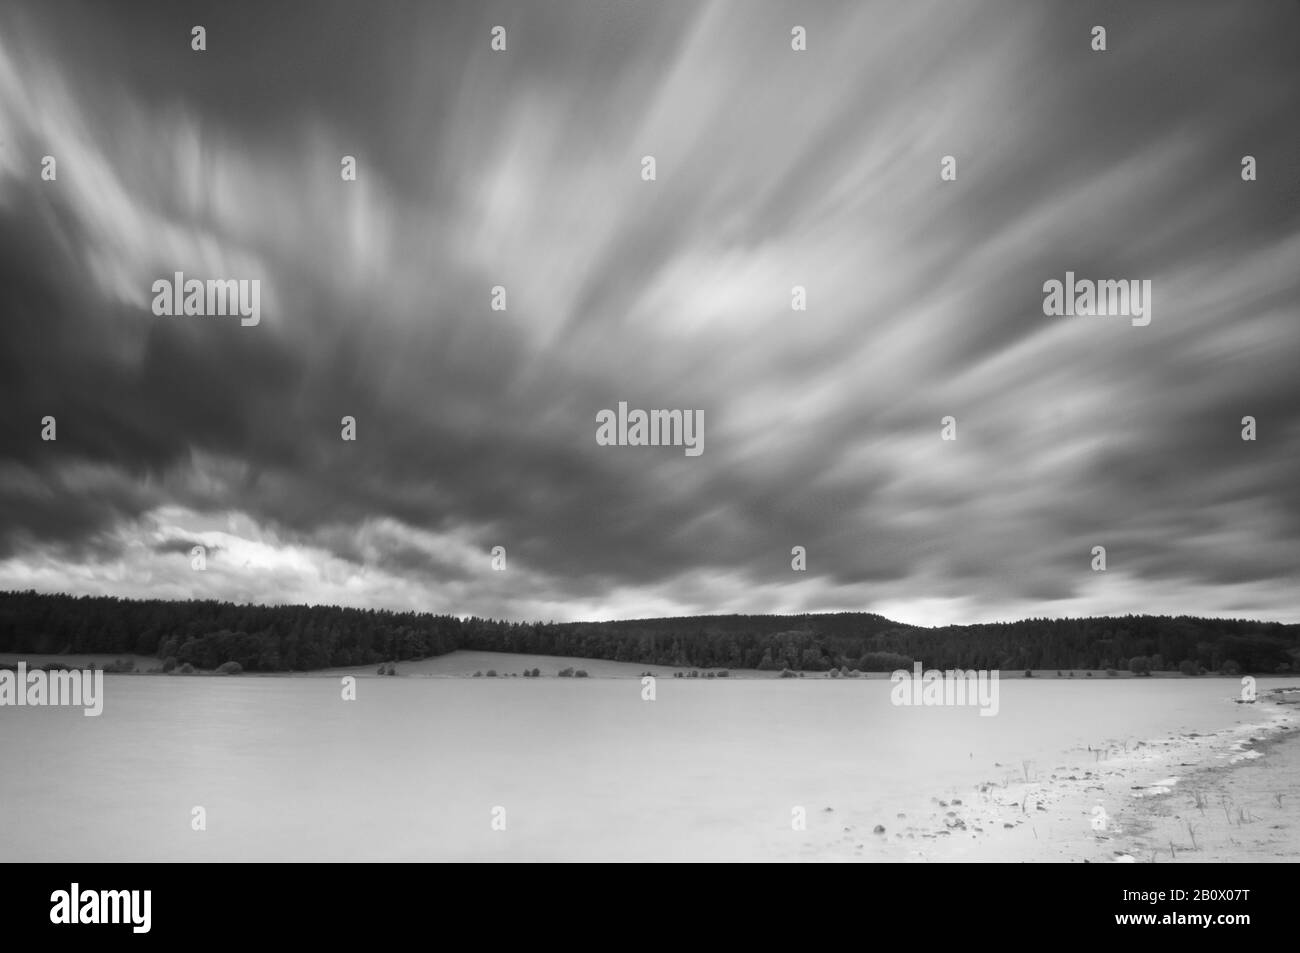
(584,769)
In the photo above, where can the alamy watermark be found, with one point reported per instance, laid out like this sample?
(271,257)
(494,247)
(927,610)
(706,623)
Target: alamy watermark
(217,297)
(62,687)
(950,688)
(102,906)
(1130,298)
(655,428)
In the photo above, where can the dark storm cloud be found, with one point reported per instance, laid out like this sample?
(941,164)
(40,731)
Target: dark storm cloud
(476,428)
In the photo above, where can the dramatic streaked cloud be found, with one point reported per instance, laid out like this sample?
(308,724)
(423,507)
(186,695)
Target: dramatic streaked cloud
(477,428)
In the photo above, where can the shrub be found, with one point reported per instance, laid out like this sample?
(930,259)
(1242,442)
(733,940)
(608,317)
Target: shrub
(579,674)
(537,673)
(380,670)
(478,674)
(186,669)
(1111,672)
(392,669)
(491,673)
(1230,667)
(1089,674)
(566,673)
(120,665)
(229,668)
(1028,674)
(786,673)
(169,663)
(884,662)
(724,674)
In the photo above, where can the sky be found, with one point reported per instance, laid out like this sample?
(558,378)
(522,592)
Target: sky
(774,168)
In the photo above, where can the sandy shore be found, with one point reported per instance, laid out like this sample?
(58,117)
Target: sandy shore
(1226,796)
(1243,807)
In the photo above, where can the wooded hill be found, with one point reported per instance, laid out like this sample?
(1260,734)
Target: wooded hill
(301,638)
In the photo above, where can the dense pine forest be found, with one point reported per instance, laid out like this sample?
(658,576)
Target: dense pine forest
(301,638)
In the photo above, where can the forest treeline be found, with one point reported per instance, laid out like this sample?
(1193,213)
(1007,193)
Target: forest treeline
(206,634)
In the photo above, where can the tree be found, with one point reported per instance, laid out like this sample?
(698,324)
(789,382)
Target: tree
(206,634)
(812,660)
(1140,665)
